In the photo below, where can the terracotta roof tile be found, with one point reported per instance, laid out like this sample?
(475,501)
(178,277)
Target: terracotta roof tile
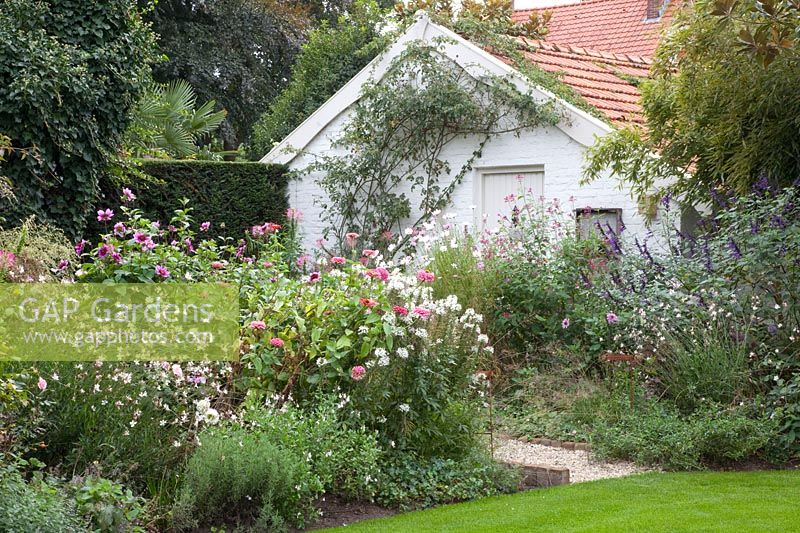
(602,79)
(618,26)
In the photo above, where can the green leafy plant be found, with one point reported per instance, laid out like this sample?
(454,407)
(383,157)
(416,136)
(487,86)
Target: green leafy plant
(109,505)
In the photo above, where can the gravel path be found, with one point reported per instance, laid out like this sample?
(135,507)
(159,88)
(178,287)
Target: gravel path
(582,467)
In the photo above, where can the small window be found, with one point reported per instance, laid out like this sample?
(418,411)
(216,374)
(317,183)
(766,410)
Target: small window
(588,220)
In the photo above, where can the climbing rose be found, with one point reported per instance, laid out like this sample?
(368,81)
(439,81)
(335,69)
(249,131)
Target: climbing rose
(105,216)
(357,373)
(612,318)
(277,342)
(258,324)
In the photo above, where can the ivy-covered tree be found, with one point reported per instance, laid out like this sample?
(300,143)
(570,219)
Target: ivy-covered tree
(70,72)
(722,107)
(236,52)
(333,54)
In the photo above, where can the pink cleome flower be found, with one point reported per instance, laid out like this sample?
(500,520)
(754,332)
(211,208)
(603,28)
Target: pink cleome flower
(258,325)
(337,260)
(162,271)
(357,373)
(276,342)
(105,215)
(294,214)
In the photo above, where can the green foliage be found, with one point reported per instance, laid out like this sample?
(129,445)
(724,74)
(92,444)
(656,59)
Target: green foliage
(235,52)
(396,136)
(717,118)
(36,505)
(333,54)
(654,434)
(413,482)
(345,459)
(166,122)
(235,470)
(109,505)
(70,74)
(39,248)
(233,196)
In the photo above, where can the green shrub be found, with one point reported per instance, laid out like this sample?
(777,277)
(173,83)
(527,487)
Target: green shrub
(37,505)
(39,248)
(656,434)
(345,459)
(235,470)
(234,196)
(409,481)
(110,507)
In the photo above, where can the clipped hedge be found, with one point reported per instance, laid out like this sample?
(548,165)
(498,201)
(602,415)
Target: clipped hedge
(232,196)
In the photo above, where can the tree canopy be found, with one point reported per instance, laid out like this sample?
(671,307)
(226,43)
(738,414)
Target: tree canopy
(722,107)
(71,72)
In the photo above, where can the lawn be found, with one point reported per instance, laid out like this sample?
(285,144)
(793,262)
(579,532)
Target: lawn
(727,501)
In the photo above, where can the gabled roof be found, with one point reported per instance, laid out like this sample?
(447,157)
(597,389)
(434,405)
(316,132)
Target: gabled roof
(581,126)
(618,26)
(606,81)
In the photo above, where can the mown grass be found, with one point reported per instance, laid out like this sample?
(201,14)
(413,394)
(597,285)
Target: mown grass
(707,501)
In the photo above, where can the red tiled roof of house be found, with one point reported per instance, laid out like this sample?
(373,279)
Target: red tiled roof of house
(618,26)
(602,78)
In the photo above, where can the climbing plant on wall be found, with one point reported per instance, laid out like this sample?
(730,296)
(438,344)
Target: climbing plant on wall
(392,172)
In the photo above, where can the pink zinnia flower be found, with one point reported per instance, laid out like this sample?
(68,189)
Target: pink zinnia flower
(565,323)
(421,311)
(378,273)
(357,373)
(205,226)
(217,264)
(42,384)
(276,342)
(400,310)
(128,194)
(336,260)
(258,325)
(424,275)
(612,318)
(162,271)
(351,238)
(105,216)
(368,302)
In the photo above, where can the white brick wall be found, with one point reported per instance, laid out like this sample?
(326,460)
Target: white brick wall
(561,157)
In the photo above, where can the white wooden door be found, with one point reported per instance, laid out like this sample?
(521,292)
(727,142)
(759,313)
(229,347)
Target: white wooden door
(499,192)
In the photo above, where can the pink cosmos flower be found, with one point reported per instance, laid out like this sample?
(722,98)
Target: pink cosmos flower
(205,226)
(162,271)
(350,238)
(565,323)
(368,302)
(258,325)
(426,276)
(421,311)
(217,264)
(400,310)
(105,216)
(336,260)
(612,318)
(357,373)
(276,342)
(128,194)
(42,384)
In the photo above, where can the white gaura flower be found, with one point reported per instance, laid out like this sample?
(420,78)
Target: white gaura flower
(404,407)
